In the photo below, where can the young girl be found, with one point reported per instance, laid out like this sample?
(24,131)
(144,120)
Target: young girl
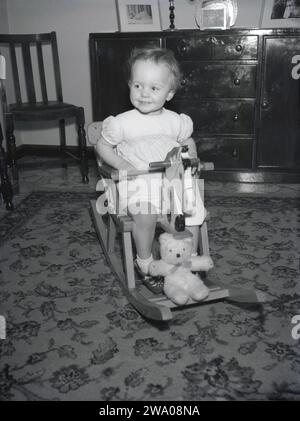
(147,133)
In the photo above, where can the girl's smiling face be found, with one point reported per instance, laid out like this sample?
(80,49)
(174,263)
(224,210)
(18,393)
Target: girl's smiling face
(150,86)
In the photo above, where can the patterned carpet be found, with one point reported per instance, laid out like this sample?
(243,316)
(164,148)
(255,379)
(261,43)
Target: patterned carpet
(71,335)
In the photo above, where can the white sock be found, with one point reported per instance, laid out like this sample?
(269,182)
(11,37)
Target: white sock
(144,263)
(194,254)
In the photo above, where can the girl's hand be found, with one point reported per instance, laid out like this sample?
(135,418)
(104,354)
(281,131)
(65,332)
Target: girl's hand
(196,170)
(174,155)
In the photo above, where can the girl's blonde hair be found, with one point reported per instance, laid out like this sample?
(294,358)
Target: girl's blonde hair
(158,56)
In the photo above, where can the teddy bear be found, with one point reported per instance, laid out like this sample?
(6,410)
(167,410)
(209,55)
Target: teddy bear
(176,265)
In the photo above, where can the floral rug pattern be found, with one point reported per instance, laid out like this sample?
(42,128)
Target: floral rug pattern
(71,335)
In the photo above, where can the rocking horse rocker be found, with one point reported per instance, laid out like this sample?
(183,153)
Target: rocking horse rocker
(109,224)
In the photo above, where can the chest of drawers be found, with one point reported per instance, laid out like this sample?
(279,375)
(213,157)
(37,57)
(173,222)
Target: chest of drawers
(237,86)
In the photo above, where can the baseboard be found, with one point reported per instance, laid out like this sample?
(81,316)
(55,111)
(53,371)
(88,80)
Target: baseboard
(259,176)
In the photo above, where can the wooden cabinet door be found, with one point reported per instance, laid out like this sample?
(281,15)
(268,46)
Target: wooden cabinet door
(279,134)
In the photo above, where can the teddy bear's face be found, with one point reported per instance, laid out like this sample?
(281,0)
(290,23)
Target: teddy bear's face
(175,251)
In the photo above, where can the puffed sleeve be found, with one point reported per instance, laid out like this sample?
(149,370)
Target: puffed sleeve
(112,130)
(185,128)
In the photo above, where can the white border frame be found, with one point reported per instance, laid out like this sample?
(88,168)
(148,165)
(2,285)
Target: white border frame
(267,22)
(124,26)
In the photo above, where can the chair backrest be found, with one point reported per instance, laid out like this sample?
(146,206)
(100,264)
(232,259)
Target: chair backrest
(94,133)
(26,53)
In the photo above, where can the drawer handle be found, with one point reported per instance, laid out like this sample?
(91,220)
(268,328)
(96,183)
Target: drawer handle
(183,82)
(238,47)
(234,153)
(237,82)
(236,117)
(183,49)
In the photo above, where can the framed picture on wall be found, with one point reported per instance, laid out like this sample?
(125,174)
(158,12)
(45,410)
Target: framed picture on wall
(138,15)
(280,14)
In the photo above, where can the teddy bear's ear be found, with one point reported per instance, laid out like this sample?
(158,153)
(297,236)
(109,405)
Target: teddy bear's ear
(164,238)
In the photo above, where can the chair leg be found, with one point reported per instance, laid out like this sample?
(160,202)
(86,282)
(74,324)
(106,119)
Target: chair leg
(11,147)
(203,240)
(82,146)
(62,134)
(6,187)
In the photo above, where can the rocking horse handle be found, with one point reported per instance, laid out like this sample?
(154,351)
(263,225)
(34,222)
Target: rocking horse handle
(158,166)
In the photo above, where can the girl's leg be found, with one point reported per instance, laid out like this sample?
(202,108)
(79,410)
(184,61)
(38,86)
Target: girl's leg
(143,234)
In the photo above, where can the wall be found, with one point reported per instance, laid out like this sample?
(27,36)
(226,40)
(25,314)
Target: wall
(73,20)
(3,17)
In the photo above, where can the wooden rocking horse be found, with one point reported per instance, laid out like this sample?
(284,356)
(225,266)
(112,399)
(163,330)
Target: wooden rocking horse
(109,224)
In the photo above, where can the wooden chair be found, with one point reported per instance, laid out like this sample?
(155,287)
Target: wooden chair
(108,226)
(33,48)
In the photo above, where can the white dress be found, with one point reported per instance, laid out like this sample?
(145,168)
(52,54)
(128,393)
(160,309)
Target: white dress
(140,139)
(143,138)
